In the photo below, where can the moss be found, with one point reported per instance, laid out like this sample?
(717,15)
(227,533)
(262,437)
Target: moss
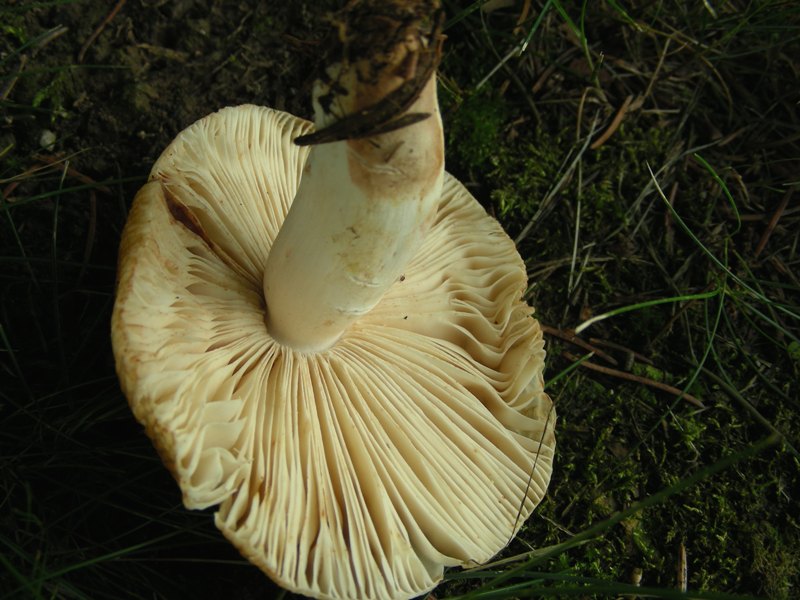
(524,175)
(14,29)
(630,446)
(776,564)
(473,127)
(794,351)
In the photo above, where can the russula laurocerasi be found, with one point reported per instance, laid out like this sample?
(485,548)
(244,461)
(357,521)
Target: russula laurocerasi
(331,344)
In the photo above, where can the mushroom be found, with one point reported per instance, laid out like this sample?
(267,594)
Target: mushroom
(328,339)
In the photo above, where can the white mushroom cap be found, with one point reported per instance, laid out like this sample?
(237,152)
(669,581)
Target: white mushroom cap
(423,438)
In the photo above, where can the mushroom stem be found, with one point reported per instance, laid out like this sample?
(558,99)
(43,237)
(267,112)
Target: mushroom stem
(370,187)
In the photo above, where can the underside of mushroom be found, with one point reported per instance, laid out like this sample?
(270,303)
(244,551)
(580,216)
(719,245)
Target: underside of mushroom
(423,438)
(324,334)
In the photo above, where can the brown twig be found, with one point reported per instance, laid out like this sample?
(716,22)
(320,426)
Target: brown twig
(523,16)
(14,182)
(615,123)
(52,161)
(542,79)
(574,339)
(781,268)
(752,217)
(47,163)
(613,345)
(773,222)
(109,17)
(635,378)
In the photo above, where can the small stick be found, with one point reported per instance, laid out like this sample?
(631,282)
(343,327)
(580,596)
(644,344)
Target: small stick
(48,162)
(542,79)
(763,216)
(640,357)
(615,123)
(14,182)
(109,17)
(636,378)
(781,268)
(526,8)
(574,339)
(773,222)
(54,162)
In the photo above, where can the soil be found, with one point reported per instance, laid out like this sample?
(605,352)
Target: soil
(155,68)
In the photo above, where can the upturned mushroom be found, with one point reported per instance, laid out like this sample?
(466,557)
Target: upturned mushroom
(323,333)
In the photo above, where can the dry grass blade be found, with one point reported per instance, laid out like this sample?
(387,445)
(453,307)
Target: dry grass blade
(614,125)
(773,222)
(99,29)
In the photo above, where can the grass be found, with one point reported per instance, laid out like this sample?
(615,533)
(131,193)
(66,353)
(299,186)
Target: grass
(645,160)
